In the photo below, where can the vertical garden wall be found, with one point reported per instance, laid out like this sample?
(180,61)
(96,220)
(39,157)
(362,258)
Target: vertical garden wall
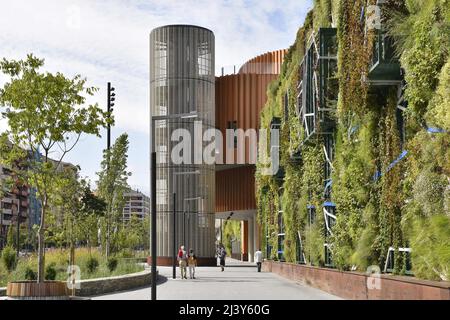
(371,186)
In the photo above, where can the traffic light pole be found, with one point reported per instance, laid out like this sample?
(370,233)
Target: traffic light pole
(110,103)
(108,143)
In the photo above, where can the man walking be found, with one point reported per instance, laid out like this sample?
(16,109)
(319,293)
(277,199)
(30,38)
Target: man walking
(258,259)
(182,261)
(221,254)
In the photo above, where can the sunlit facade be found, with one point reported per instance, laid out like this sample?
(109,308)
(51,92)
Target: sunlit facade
(182,82)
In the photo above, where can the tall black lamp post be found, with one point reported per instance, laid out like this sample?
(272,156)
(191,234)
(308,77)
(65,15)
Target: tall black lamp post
(111,97)
(110,103)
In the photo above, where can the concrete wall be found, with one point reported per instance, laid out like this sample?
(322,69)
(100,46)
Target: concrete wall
(354,285)
(92,287)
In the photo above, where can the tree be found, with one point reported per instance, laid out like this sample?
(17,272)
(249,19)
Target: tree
(112,183)
(92,208)
(67,205)
(45,116)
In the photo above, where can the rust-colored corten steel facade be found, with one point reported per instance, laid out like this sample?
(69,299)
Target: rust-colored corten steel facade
(268,63)
(241,97)
(239,100)
(235,187)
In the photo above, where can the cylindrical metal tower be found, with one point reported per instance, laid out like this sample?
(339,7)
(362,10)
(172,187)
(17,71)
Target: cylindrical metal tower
(182,82)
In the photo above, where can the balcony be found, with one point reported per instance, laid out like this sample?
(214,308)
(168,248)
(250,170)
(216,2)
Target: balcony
(7,211)
(385,67)
(275,123)
(318,87)
(6,200)
(6,222)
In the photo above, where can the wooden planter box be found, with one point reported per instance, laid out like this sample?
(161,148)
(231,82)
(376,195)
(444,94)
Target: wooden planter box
(31,290)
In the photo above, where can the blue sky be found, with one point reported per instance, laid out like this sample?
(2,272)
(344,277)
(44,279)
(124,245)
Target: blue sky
(108,41)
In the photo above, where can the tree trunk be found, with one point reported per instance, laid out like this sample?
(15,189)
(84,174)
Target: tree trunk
(108,226)
(41,244)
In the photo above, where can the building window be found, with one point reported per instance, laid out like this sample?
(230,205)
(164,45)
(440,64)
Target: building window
(204,59)
(161,58)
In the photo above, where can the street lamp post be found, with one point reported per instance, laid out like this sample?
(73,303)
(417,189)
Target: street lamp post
(153,223)
(110,104)
(190,115)
(174,259)
(111,97)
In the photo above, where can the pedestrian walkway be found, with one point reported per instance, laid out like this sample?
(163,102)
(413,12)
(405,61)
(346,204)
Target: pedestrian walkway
(239,281)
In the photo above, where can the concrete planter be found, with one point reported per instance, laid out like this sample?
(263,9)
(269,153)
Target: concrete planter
(92,287)
(361,286)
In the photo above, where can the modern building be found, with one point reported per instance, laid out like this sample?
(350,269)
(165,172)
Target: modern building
(22,199)
(136,204)
(182,84)
(184,89)
(239,100)
(13,205)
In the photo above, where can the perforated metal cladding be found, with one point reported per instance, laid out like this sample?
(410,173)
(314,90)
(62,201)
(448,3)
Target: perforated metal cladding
(182,80)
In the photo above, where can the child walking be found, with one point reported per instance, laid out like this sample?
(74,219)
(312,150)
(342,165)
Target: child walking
(192,263)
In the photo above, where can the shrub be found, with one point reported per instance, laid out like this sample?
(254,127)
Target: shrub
(30,274)
(50,272)
(9,258)
(112,264)
(92,264)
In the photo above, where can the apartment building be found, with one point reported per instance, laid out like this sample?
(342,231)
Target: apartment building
(137,204)
(14,204)
(19,204)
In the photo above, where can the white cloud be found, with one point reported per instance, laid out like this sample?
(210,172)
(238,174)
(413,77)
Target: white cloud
(108,40)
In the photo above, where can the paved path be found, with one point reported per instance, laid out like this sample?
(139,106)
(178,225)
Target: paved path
(239,281)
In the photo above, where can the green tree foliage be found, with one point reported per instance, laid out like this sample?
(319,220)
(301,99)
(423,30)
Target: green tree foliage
(422,33)
(231,232)
(44,115)
(9,258)
(92,264)
(112,184)
(112,264)
(93,208)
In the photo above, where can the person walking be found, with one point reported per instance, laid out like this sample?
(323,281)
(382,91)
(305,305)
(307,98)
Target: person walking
(192,263)
(182,261)
(258,259)
(222,254)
